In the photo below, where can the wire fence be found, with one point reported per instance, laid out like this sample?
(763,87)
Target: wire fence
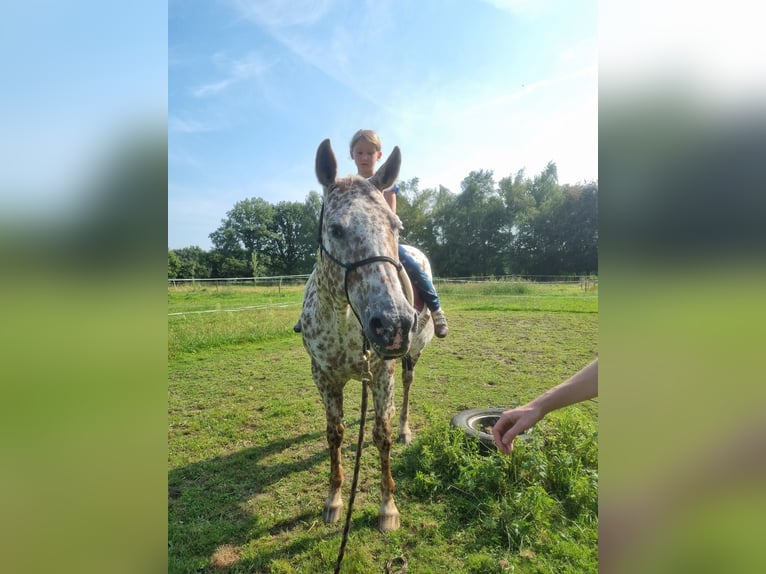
(275,281)
(588,281)
(552,279)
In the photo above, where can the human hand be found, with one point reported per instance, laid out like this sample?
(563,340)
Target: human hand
(512,423)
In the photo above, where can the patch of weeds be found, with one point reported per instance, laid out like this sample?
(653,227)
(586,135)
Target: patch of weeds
(482,563)
(541,500)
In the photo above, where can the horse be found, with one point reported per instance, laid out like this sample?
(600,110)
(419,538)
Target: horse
(358,297)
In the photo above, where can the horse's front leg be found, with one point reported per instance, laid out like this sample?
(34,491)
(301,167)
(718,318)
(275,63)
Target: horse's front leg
(333,404)
(383,396)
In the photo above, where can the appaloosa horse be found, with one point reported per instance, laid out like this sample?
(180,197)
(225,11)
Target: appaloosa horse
(358,290)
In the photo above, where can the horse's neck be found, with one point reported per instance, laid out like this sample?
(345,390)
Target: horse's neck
(331,298)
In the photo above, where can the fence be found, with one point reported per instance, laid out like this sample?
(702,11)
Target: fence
(277,280)
(587,282)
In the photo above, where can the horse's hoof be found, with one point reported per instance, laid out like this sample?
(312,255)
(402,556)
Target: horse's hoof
(332,513)
(388,522)
(388,516)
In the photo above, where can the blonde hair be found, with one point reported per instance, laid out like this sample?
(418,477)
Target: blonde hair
(367,135)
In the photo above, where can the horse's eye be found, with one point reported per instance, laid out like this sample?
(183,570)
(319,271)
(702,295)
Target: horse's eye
(336,231)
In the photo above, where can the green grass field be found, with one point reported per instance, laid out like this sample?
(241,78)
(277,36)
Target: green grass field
(249,465)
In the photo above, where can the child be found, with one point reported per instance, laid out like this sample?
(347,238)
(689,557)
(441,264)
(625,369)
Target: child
(366,151)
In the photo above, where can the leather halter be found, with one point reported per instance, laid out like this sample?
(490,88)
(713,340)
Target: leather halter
(351,266)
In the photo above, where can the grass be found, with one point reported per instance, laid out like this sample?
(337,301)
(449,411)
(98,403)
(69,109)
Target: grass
(248,463)
(212,317)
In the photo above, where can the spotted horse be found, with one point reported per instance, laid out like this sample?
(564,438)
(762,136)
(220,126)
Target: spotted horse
(358,297)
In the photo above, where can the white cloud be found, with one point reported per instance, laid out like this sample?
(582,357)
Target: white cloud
(252,65)
(211,89)
(531,7)
(335,51)
(179,125)
(277,14)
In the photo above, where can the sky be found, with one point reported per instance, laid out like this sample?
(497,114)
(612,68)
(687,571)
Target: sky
(459,85)
(77,78)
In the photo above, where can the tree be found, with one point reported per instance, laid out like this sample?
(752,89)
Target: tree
(174,264)
(255,265)
(193,263)
(579,225)
(560,235)
(517,198)
(475,232)
(312,209)
(442,213)
(292,238)
(246,229)
(534,227)
(412,207)
(223,264)
(519,206)
(546,184)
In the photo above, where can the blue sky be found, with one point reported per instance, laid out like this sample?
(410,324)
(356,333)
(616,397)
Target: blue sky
(77,77)
(255,85)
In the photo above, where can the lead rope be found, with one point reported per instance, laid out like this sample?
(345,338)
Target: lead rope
(366,378)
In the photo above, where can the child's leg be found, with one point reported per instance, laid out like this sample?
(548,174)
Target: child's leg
(427,291)
(419,280)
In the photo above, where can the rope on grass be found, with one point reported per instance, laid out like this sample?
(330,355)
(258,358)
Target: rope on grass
(365,381)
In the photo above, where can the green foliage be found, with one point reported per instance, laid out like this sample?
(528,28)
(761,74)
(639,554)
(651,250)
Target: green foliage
(255,264)
(174,265)
(519,226)
(549,484)
(561,235)
(476,224)
(292,245)
(282,237)
(193,262)
(246,225)
(223,264)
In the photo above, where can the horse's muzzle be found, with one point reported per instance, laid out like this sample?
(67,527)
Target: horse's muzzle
(390,337)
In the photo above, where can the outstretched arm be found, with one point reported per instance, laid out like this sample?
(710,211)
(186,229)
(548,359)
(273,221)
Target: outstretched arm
(581,386)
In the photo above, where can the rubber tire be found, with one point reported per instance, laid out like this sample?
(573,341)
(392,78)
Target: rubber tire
(470,422)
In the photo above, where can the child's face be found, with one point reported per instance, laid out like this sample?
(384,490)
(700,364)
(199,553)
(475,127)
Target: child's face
(365,157)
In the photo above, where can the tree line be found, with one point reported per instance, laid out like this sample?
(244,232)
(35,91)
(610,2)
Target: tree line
(516,226)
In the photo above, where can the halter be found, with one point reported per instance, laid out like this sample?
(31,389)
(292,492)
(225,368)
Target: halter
(351,266)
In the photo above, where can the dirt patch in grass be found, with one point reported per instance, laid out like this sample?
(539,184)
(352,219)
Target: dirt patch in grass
(224,556)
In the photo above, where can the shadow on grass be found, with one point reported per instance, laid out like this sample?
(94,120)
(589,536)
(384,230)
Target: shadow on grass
(225,504)
(215,502)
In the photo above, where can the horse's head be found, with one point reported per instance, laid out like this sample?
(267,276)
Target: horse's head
(359,238)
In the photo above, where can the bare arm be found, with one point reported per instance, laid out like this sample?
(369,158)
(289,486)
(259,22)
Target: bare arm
(581,386)
(390,198)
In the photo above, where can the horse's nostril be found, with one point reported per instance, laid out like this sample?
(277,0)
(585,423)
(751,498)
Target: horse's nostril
(376,325)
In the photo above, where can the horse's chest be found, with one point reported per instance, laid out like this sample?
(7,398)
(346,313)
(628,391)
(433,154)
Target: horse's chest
(338,352)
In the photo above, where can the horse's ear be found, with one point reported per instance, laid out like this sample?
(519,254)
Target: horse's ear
(326,165)
(389,171)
